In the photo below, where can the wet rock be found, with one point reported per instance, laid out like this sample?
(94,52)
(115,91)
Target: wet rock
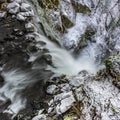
(25,7)
(11,40)
(13,8)
(1,79)
(18,1)
(88,35)
(79,8)
(27,14)
(40,117)
(49,4)
(3,14)
(52,89)
(21,18)
(62,103)
(5,116)
(2,1)
(69,45)
(30,27)
(116,83)
(65,105)
(64,87)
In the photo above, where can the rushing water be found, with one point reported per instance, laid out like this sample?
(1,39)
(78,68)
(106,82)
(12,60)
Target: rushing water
(63,61)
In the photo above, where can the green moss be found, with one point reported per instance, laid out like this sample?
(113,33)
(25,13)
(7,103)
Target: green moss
(66,22)
(68,117)
(50,4)
(81,8)
(3,5)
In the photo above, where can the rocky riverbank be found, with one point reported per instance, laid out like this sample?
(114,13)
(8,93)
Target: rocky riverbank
(40,93)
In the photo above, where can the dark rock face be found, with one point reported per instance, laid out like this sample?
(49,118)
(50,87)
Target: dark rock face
(1,80)
(15,51)
(4,116)
(12,39)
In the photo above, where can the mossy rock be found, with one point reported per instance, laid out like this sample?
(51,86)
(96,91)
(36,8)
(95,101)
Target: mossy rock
(69,117)
(79,8)
(66,22)
(50,4)
(113,66)
(89,33)
(3,5)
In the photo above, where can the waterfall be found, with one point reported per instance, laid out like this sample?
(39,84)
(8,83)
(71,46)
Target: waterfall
(64,61)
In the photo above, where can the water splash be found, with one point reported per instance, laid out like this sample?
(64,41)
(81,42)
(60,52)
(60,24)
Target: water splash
(63,62)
